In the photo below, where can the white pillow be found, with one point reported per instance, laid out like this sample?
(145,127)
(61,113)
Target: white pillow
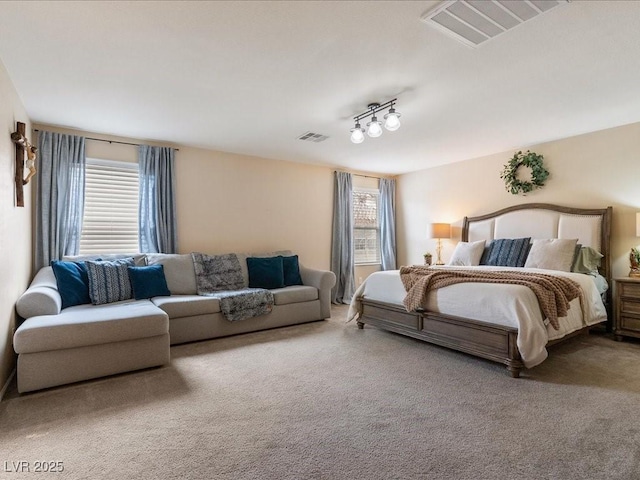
(552,254)
(467,253)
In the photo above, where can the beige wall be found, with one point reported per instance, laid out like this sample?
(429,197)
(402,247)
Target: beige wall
(595,170)
(235,203)
(15,225)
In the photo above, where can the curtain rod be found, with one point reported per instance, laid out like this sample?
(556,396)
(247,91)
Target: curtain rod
(112,141)
(363,176)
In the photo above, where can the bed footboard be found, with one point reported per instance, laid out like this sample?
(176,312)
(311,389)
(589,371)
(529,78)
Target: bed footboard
(493,342)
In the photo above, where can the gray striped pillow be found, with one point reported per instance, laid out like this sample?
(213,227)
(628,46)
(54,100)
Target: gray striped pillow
(109,281)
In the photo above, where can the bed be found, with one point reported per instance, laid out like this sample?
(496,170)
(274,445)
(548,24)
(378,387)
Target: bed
(502,323)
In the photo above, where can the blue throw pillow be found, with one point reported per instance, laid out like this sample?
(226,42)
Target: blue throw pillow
(265,272)
(109,281)
(291,271)
(148,282)
(72,281)
(507,252)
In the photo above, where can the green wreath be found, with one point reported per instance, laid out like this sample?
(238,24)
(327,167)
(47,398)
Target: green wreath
(510,173)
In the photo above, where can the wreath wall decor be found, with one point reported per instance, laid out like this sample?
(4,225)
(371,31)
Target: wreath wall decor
(529,160)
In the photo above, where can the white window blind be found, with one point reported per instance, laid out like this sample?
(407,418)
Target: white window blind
(110,222)
(366,228)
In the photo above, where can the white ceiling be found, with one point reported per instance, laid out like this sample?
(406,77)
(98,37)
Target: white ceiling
(250,77)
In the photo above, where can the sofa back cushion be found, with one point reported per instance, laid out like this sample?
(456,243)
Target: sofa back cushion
(178,270)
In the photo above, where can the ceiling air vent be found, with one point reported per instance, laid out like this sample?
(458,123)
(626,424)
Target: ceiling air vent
(473,22)
(312,137)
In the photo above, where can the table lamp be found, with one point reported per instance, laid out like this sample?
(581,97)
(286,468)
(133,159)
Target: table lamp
(439,231)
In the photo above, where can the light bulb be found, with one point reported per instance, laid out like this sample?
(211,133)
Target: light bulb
(374,127)
(357,135)
(392,120)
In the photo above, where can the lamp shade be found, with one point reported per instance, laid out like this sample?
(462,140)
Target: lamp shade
(356,134)
(440,230)
(374,128)
(637,224)
(392,120)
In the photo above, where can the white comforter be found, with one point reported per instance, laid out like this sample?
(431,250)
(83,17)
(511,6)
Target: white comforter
(502,304)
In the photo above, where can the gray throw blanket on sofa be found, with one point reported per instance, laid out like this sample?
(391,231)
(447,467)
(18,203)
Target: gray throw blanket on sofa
(242,304)
(220,276)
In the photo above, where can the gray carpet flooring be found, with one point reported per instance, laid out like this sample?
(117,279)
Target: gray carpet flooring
(328,401)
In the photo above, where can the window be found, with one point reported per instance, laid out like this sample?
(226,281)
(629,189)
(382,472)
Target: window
(110,222)
(366,228)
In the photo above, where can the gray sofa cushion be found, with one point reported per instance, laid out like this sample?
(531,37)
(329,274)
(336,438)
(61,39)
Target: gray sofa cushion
(294,294)
(85,325)
(177,306)
(178,270)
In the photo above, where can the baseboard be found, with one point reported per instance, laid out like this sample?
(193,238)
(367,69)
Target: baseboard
(5,387)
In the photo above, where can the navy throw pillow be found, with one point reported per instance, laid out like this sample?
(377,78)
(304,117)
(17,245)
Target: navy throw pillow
(507,252)
(72,281)
(148,282)
(291,271)
(265,272)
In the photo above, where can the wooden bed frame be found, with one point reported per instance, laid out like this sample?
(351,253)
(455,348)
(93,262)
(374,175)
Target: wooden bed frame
(482,339)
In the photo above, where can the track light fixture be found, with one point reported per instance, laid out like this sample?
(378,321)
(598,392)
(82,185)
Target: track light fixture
(374,127)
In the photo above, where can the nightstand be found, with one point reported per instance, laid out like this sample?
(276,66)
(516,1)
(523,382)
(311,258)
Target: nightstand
(627,318)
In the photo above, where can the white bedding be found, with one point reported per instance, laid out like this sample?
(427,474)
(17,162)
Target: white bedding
(502,304)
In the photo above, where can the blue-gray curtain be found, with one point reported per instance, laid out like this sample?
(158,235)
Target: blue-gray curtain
(388,223)
(157,214)
(342,254)
(59,196)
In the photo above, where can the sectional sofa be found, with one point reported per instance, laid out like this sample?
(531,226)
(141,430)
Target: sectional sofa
(56,345)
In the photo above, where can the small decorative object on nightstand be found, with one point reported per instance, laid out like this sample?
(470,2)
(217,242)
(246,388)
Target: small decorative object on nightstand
(627,305)
(428,258)
(634,262)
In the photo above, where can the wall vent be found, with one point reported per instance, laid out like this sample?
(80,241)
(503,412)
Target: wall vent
(313,137)
(473,22)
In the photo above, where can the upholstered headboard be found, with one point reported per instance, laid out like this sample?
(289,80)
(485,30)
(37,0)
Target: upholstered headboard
(592,227)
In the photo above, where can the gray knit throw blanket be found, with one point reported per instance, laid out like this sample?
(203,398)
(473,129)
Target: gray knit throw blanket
(220,276)
(244,304)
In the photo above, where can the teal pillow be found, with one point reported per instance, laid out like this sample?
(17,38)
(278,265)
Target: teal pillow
(109,281)
(291,271)
(506,252)
(148,282)
(72,281)
(265,272)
